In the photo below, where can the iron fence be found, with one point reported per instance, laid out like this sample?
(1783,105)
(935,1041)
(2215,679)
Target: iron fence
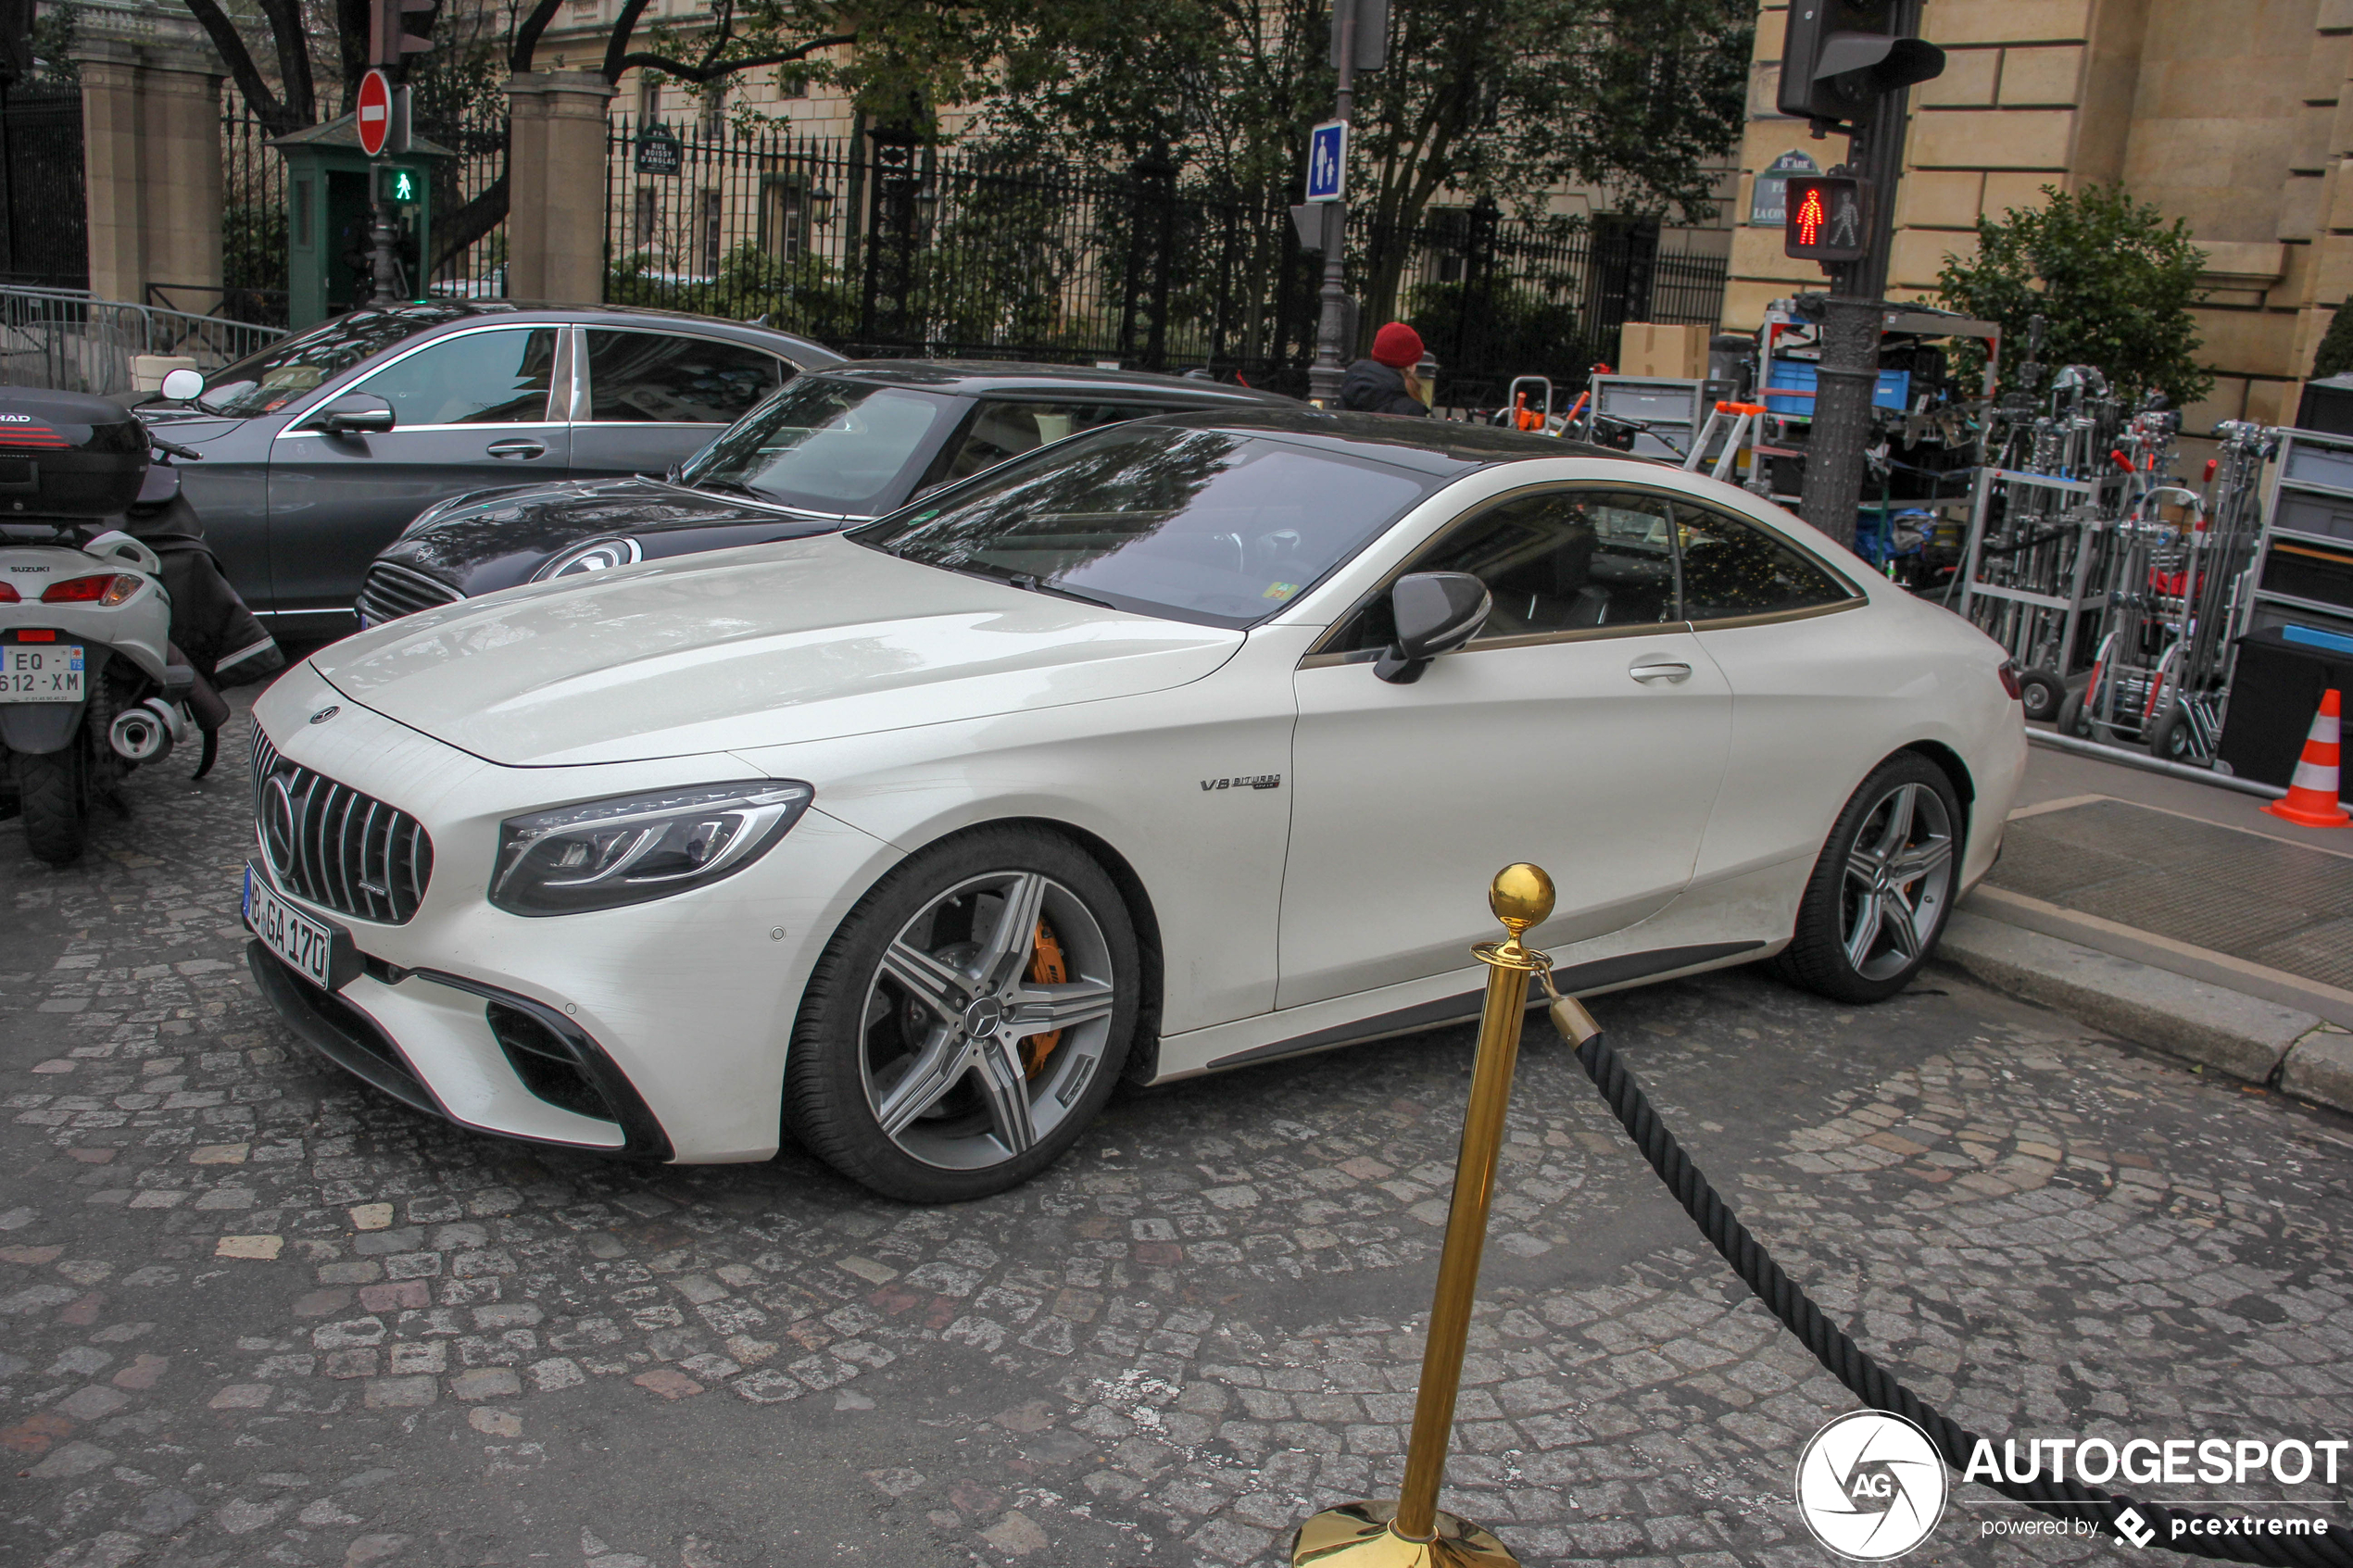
(43,233)
(65,340)
(885,247)
(469,197)
(253,228)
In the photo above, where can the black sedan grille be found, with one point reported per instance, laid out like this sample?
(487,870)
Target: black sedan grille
(393,590)
(335,847)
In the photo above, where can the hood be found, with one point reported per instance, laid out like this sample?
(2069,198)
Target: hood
(486,540)
(811,639)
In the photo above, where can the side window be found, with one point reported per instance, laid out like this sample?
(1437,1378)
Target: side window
(479,378)
(657,378)
(1733,567)
(1559,560)
(999,428)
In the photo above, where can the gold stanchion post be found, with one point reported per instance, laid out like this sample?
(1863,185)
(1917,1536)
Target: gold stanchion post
(1412,1532)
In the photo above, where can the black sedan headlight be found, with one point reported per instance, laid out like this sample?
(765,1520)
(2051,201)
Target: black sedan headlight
(631,848)
(597,555)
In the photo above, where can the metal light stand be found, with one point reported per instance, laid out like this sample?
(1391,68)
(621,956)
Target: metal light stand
(1412,1532)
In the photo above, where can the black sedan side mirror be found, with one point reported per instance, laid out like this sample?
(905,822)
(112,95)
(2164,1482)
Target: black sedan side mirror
(357,413)
(1437,612)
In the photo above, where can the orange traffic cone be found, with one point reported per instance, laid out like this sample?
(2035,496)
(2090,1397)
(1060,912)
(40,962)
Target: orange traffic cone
(2311,795)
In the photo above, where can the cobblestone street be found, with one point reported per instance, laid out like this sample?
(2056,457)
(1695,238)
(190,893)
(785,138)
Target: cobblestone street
(253,1312)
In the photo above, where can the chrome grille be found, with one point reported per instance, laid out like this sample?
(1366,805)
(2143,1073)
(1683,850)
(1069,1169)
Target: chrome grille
(335,847)
(393,591)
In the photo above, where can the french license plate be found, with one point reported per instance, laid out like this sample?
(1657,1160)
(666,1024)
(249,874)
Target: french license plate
(294,937)
(40,673)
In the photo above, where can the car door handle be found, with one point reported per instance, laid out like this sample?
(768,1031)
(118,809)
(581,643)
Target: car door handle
(517,449)
(1668,669)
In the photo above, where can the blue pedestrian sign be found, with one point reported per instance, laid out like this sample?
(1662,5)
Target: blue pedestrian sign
(1328,161)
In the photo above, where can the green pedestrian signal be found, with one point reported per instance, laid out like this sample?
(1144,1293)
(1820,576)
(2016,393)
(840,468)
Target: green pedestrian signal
(399,184)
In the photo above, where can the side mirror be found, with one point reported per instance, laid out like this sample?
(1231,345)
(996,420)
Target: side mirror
(357,413)
(183,385)
(1437,612)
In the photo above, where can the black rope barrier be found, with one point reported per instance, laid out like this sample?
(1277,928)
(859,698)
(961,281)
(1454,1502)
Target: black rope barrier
(2203,1534)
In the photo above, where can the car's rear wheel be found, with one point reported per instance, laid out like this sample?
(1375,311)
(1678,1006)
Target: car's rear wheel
(1880,895)
(968,1019)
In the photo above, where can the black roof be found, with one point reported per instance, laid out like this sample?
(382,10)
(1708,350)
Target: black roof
(1433,446)
(1004,377)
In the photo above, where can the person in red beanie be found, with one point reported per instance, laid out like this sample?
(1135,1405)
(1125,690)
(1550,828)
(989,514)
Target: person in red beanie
(1385,382)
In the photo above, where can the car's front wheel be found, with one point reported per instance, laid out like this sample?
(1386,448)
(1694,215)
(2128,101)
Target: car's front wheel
(1878,896)
(968,1019)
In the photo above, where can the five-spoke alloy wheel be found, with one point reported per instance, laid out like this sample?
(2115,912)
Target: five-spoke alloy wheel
(969,1018)
(1884,887)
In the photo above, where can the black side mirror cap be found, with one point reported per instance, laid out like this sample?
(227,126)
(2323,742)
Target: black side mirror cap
(357,413)
(1436,613)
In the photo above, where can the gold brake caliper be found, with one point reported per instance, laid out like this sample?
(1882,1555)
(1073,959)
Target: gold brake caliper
(1046,968)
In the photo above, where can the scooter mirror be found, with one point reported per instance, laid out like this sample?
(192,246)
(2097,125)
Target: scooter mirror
(183,385)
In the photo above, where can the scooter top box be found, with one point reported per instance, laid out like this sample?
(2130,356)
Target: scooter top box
(66,454)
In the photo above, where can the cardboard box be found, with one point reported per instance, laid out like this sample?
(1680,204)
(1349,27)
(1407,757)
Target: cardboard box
(1645,349)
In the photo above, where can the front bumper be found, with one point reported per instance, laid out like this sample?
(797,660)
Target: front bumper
(658,1030)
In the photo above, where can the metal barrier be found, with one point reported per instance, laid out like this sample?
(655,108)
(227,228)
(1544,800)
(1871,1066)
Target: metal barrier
(71,341)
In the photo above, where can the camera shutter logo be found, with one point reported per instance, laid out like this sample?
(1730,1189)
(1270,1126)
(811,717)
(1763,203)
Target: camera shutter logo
(1871,1486)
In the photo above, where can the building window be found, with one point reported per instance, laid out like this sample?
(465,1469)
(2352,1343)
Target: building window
(792,84)
(713,208)
(784,215)
(714,111)
(648,99)
(648,215)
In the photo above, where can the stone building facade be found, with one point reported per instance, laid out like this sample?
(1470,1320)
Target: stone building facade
(2232,114)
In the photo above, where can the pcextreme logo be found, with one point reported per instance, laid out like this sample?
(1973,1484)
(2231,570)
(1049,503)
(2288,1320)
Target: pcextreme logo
(1871,1486)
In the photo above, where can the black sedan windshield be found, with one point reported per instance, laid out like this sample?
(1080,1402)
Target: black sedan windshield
(828,446)
(264,383)
(1207,526)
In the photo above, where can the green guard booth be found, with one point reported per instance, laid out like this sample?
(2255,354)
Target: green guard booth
(330,185)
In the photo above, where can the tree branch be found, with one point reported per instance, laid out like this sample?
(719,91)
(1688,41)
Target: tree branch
(469,223)
(242,71)
(695,73)
(624,27)
(526,43)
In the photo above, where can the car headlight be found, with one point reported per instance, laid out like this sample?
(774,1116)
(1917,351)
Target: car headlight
(602,853)
(597,555)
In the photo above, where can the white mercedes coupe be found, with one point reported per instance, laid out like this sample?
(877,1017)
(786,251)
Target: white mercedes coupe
(1183,744)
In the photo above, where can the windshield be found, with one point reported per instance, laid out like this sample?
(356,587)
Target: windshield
(828,446)
(264,383)
(1200,525)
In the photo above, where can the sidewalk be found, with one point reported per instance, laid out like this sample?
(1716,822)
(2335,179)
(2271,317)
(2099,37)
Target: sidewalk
(2175,914)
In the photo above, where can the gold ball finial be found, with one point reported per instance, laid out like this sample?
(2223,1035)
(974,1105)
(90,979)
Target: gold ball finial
(1521,897)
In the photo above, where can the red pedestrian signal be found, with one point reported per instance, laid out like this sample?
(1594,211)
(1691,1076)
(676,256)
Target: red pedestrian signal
(1829,218)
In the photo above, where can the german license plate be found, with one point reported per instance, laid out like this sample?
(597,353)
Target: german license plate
(40,673)
(294,937)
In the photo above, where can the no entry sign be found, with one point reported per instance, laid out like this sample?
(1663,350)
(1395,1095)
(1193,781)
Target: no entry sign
(375,112)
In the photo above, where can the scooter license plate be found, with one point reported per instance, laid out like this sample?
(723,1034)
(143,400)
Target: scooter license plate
(41,672)
(308,946)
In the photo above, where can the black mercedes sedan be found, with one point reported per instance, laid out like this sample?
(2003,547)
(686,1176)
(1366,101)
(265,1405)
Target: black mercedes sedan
(834,447)
(322,448)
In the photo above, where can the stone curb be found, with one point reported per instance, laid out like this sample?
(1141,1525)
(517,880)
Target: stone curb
(2246,1036)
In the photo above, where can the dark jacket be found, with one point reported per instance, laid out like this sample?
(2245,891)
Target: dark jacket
(210,625)
(1371,388)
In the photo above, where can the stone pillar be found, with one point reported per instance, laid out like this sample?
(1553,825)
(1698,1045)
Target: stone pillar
(555,187)
(151,152)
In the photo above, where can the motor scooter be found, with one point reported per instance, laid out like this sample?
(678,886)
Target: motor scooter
(90,686)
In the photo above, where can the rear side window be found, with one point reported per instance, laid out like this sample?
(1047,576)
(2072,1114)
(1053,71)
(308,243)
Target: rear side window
(663,378)
(1733,567)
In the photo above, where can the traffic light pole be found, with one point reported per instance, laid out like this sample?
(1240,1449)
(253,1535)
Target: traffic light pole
(1331,355)
(1852,314)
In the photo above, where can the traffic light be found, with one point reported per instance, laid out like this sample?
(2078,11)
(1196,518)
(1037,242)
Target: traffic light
(1829,218)
(397,29)
(399,184)
(1839,56)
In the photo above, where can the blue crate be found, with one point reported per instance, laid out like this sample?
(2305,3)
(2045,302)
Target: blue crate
(1894,389)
